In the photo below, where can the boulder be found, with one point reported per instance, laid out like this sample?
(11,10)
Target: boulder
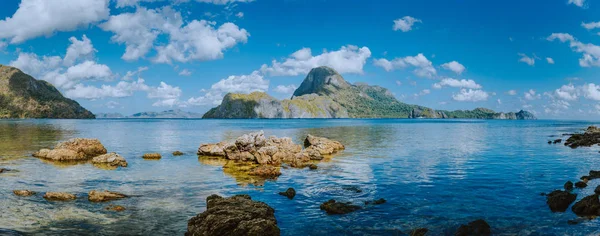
(419,232)
(587,139)
(557,141)
(289,193)
(588,206)
(234,216)
(59,196)
(110,159)
(597,190)
(478,227)
(177,153)
(581,184)
(24,193)
(265,171)
(323,145)
(152,156)
(559,201)
(116,208)
(594,174)
(73,150)
(313,166)
(568,186)
(337,208)
(216,150)
(104,196)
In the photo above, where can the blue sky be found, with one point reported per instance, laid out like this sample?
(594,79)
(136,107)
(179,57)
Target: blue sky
(130,56)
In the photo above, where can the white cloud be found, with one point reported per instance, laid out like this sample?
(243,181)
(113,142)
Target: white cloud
(112,104)
(3,45)
(591,52)
(532,95)
(240,15)
(470,95)
(591,91)
(566,92)
(131,3)
(129,75)
(398,82)
(78,49)
(185,72)
(164,91)
(423,66)
(198,40)
(590,25)
(35,18)
(349,59)
(285,89)
(579,3)
(232,84)
(550,60)
(405,24)
(121,89)
(526,59)
(454,66)
(512,92)
(423,93)
(463,83)
(499,101)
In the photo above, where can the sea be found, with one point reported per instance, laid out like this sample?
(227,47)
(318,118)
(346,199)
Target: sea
(435,174)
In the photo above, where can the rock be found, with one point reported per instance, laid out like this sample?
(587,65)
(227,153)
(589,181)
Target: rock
(104,196)
(597,190)
(73,150)
(575,221)
(24,193)
(152,156)
(478,227)
(559,201)
(580,184)
(568,186)
(376,202)
(313,166)
(549,142)
(59,196)
(177,153)
(289,193)
(265,171)
(352,189)
(235,216)
(587,139)
(336,208)
(323,145)
(419,232)
(111,159)
(216,150)
(594,174)
(588,206)
(557,141)
(116,208)
(2,170)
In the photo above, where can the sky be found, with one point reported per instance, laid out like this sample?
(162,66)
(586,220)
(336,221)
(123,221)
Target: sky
(130,56)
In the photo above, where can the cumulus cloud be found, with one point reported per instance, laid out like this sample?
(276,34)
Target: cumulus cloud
(463,83)
(254,82)
(197,40)
(512,92)
(423,66)
(470,95)
(591,91)
(285,89)
(591,52)
(454,66)
(185,72)
(579,3)
(531,95)
(550,60)
(566,92)
(349,59)
(405,24)
(590,25)
(121,89)
(240,15)
(131,3)
(35,18)
(526,59)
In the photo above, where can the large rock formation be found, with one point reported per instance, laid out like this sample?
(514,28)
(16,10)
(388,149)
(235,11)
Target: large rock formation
(325,94)
(590,137)
(22,96)
(73,150)
(237,215)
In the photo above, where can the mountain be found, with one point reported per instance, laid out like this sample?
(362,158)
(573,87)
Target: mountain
(325,94)
(22,96)
(169,114)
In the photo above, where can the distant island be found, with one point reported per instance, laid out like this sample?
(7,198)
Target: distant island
(22,96)
(325,94)
(169,114)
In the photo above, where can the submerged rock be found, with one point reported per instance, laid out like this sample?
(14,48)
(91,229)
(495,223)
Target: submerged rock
(568,186)
(59,196)
(376,202)
(289,193)
(419,232)
(559,201)
(177,153)
(313,167)
(24,193)
(265,171)
(337,208)
(111,159)
(116,208)
(588,206)
(152,156)
(234,216)
(557,141)
(73,150)
(352,189)
(587,139)
(478,227)
(323,145)
(104,196)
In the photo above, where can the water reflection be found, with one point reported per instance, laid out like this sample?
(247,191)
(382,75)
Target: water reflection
(19,138)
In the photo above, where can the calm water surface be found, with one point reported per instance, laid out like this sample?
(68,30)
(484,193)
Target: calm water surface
(433,173)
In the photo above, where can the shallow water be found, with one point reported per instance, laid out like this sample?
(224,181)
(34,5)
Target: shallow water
(434,173)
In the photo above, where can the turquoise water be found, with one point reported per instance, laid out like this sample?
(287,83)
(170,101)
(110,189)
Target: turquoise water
(434,173)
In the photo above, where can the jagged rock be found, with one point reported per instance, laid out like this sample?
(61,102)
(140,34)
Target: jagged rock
(581,184)
(59,196)
(289,193)
(557,141)
(588,206)
(478,227)
(152,156)
(559,201)
(234,216)
(265,171)
(568,186)
(116,208)
(419,232)
(73,150)
(337,208)
(104,196)
(313,166)
(111,159)
(587,139)
(24,193)
(217,150)
(593,174)
(323,145)
(177,153)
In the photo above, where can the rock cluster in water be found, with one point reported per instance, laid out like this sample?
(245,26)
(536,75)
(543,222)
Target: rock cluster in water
(334,207)
(590,137)
(82,149)
(478,227)
(233,216)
